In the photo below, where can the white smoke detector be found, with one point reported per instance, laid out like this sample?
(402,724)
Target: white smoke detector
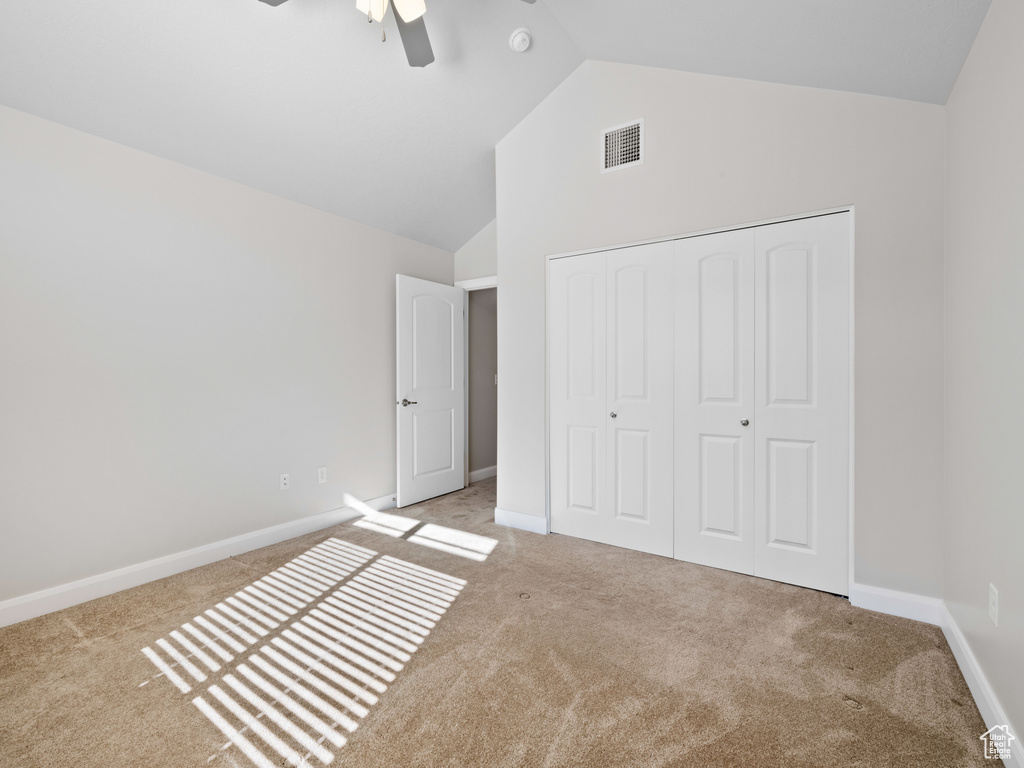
(520,40)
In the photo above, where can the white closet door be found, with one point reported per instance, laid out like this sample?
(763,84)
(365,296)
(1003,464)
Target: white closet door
(640,380)
(577,350)
(714,342)
(802,411)
(610,342)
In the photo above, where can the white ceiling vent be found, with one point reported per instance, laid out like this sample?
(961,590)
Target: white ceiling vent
(622,146)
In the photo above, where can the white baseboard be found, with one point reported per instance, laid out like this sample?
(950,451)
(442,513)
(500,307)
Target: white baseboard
(933,610)
(381,503)
(905,604)
(519,520)
(482,474)
(65,595)
(992,711)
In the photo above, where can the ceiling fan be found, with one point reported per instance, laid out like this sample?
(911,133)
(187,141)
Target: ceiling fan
(408,17)
(412,30)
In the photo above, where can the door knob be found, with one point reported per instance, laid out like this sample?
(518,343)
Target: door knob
(744,422)
(614,415)
(408,402)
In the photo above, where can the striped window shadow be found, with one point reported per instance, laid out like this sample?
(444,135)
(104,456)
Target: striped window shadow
(198,648)
(295,692)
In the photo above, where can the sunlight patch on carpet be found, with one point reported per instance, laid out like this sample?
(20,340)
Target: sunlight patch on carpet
(297,659)
(454,542)
(390,525)
(471,546)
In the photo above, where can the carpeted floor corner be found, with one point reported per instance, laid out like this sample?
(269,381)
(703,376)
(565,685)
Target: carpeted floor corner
(544,651)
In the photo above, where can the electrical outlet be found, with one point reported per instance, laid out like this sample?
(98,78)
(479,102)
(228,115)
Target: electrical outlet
(284,482)
(993,604)
(321,474)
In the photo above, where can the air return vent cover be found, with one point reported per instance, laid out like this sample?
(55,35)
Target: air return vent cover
(623,146)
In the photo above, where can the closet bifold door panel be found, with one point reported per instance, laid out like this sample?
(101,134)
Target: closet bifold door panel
(610,319)
(640,437)
(714,403)
(762,406)
(577,349)
(699,399)
(802,411)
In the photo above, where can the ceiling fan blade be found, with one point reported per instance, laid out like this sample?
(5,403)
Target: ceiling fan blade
(415,41)
(410,10)
(272,2)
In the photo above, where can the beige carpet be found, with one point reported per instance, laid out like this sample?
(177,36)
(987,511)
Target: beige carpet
(550,652)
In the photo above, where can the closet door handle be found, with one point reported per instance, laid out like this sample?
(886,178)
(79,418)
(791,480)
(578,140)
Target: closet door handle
(614,415)
(408,402)
(744,422)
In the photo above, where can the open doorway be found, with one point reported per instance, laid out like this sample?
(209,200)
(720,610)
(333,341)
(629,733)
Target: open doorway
(482,383)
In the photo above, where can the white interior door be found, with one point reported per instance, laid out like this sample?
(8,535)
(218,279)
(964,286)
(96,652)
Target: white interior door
(430,390)
(714,341)
(610,321)
(802,409)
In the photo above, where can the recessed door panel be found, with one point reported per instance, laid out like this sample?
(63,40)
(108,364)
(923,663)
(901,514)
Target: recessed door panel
(791,498)
(432,353)
(581,300)
(631,333)
(433,441)
(582,469)
(721,470)
(632,474)
(719,327)
(790,315)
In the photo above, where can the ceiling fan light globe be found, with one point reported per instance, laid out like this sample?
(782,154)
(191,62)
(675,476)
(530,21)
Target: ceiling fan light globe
(410,10)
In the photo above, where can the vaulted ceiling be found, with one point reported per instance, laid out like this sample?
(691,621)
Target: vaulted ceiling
(304,101)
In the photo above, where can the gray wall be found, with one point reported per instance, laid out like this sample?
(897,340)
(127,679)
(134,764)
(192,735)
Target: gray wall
(171,343)
(479,256)
(483,365)
(984,442)
(721,152)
